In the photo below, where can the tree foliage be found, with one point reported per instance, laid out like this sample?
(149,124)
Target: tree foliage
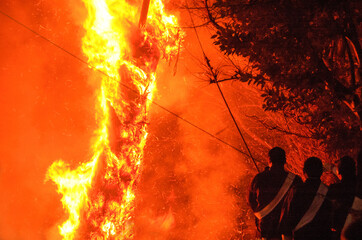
(305,56)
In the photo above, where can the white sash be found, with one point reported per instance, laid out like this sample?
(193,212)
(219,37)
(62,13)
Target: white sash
(356,207)
(314,207)
(283,190)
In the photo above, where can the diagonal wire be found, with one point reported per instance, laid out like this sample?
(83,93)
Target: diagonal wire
(129,88)
(219,88)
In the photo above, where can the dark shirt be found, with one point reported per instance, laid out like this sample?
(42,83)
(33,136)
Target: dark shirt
(296,205)
(341,195)
(263,189)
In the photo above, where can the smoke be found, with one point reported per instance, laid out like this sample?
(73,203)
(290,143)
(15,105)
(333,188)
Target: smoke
(46,114)
(189,178)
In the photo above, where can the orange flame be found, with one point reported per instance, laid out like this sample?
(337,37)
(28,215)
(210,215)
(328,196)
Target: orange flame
(99,195)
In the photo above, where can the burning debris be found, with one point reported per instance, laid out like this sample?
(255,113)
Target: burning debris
(99,195)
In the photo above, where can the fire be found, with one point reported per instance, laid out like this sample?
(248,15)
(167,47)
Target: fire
(99,194)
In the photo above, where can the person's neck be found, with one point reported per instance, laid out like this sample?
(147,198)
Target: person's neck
(277,168)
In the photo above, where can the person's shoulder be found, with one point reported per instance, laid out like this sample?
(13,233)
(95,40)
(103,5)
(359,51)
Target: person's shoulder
(297,179)
(261,175)
(265,172)
(335,190)
(339,186)
(334,185)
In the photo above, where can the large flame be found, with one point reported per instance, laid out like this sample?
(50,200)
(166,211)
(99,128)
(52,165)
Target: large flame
(99,194)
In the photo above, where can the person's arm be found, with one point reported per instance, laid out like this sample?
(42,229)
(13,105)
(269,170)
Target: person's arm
(253,201)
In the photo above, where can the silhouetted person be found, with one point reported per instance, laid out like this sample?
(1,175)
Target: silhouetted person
(267,192)
(306,212)
(342,194)
(354,217)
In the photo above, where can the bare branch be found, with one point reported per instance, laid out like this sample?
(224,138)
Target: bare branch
(197,26)
(226,79)
(277,128)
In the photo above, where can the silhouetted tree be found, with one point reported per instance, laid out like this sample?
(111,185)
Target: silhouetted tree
(304,54)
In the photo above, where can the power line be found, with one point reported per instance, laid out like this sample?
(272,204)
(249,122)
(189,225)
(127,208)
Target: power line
(214,75)
(129,88)
(237,126)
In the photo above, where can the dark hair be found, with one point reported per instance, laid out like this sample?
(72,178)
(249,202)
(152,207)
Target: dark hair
(277,156)
(313,167)
(347,166)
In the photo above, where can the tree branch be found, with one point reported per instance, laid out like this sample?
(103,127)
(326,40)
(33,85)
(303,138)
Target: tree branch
(277,128)
(211,18)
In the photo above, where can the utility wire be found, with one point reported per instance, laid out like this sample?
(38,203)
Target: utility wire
(237,126)
(214,80)
(129,88)
(46,39)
